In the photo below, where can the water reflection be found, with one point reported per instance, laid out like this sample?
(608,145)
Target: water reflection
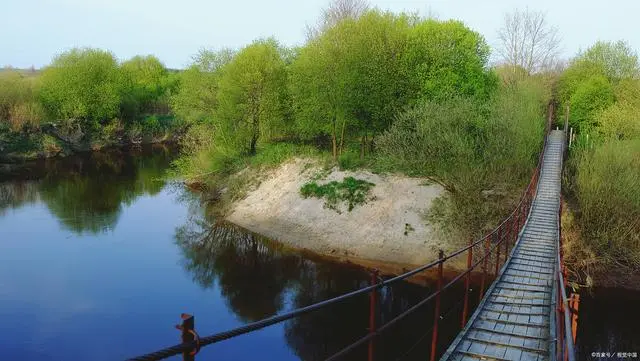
(87,192)
(259,278)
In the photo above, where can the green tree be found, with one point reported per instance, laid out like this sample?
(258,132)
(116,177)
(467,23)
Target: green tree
(319,86)
(446,59)
(252,95)
(614,61)
(348,78)
(144,83)
(82,84)
(591,97)
(617,59)
(376,88)
(196,98)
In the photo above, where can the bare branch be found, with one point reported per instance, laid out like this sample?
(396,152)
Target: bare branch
(337,11)
(528,41)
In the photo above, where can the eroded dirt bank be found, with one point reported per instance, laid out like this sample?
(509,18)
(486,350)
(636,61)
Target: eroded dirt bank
(391,227)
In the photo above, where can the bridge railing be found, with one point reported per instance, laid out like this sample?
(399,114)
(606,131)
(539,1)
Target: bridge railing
(565,329)
(496,246)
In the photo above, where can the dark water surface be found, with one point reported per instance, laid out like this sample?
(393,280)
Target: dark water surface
(609,321)
(99,256)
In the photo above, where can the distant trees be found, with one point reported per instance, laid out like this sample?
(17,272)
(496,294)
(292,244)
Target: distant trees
(196,99)
(83,85)
(596,78)
(144,82)
(85,98)
(337,11)
(528,41)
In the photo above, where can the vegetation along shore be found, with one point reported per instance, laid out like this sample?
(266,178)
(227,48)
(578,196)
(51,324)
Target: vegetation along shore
(385,136)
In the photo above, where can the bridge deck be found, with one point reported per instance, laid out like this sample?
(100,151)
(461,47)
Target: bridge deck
(515,320)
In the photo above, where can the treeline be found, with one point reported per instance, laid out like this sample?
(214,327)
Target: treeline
(392,92)
(348,81)
(85,98)
(600,89)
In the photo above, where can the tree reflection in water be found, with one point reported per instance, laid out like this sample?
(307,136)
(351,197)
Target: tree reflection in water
(257,276)
(86,192)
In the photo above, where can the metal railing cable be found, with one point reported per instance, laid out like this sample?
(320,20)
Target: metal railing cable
(507,232)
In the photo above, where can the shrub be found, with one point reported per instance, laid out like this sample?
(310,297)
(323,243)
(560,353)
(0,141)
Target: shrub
(82,84)
(607,185)
(481,153)
(591,97)
(350,191)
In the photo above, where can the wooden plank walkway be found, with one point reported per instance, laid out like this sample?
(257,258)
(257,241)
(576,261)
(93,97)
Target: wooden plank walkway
(515,320)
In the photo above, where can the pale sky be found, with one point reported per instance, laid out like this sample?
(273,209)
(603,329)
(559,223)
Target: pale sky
(33,31)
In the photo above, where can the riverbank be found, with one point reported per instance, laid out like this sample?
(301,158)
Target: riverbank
(48,143)
(391,226)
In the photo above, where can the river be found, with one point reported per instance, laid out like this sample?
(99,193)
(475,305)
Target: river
(99,255)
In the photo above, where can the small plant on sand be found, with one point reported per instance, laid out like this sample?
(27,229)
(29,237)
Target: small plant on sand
(351,191)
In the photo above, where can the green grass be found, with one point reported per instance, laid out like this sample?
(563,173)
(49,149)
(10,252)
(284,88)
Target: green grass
(270,155)
(606,186)
(351,191)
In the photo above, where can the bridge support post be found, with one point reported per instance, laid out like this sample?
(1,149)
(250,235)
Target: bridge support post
(188,335)
(467,285)
(373,305)
(436,314)
(485,265)
(498,240)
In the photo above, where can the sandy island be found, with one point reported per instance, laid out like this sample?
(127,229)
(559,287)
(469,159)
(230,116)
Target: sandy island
(391,227)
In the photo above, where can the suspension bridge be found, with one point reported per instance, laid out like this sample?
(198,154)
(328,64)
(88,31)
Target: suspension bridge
(524,314)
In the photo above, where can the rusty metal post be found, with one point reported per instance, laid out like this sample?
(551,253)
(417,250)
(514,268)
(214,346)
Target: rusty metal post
(373,303)
(560,328)
(509,236)
(467,285)
(484,267)
(436,314)
(188,335)
(498,252)
(575,307)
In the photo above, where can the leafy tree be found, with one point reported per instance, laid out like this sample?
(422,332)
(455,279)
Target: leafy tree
(252,95)
(591,97)
(617,59)
(349,77)
(614,61)
(445,59)
(145,81)
(621,120)
(319,86)
(196,98)
(82,84)
(376,88)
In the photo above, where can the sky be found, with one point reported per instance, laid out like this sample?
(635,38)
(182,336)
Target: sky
(32,32)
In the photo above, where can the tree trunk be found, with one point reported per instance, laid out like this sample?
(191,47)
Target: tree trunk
(334,141)
(252,148)
(344,120)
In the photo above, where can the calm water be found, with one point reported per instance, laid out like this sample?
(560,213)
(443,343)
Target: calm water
(609,322)
(99,256)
